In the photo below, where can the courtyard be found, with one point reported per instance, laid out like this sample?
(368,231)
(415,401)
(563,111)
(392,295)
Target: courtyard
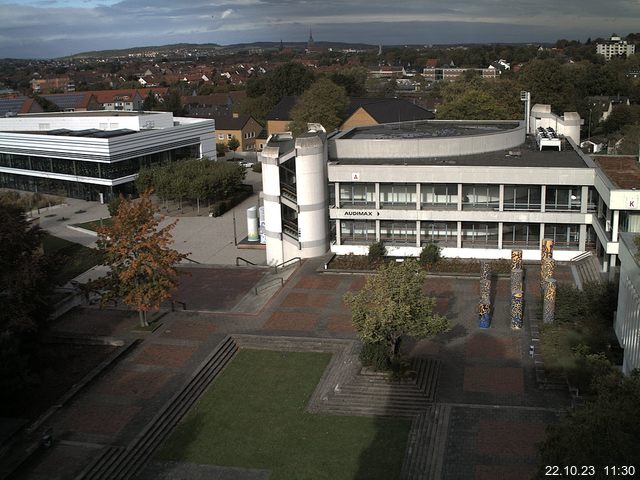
(483,421)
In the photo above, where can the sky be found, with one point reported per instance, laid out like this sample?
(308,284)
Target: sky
(53,28)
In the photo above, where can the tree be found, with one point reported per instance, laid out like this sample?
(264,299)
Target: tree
(25,284)
(323,103)
(604,432)
(150,102)
(142,266)
(392,304)
(233,144)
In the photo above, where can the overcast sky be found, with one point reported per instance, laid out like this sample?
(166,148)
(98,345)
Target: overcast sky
(51,28)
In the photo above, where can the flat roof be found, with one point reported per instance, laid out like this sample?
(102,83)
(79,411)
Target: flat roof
(427,129)
(88,113)
(623,171)
(525,155)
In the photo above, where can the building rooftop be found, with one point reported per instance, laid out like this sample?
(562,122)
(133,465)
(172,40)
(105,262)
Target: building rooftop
(525,155)
(90,113)
(426,129)
(624,172)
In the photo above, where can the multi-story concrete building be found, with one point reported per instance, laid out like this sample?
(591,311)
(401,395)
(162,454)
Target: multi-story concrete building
(615,47)
(476,188)
(627,319)
(95,155)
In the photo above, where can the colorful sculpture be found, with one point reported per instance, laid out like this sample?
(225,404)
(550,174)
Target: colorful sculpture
(549,304)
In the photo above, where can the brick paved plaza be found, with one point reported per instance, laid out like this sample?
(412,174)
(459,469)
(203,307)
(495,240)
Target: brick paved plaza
(497,414)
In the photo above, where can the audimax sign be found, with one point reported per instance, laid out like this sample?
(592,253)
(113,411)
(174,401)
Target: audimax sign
(360,213)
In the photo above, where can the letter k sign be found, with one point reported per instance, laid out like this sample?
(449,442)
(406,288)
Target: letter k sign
(632,204)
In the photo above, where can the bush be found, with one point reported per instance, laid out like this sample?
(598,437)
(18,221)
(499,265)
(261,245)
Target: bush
(377,252)
(220,207)
(430,254)
(257,167)
(376,356)
(114,205)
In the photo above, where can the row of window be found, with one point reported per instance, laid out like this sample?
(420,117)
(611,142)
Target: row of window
(473,235)
(82,168)
(481,197)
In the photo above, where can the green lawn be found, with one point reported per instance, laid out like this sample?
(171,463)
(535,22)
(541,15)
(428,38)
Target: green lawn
(253,416)
(94,224)
(71,259)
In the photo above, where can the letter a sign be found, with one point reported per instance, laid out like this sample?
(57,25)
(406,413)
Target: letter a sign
(355,176)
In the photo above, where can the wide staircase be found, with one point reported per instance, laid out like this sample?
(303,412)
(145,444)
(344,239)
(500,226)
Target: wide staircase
(425,447)
(373,394)
(117,462)
(586,268)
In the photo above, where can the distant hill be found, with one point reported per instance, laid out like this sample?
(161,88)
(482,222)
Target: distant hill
(214,47)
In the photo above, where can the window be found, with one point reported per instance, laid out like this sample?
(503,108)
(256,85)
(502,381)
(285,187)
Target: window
(397,232)
(439,196)
(220,136)
(357,194)
(563,198)
(521,235)
(522,197)
(480,197)
(479,235)
(442,233)
(357,232)
(399,195)
(565,237)
(229,136)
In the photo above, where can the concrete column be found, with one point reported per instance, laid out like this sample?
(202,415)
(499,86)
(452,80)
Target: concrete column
(377,229)
(501,208)
(459,201)
(543,199)
(614,225)
(582,242)
(418,237)
(338,233)
(459,238)
(612,264)
(584,199)
(336,194)
(541,236)
(500,235)
(418,206)
(377,195)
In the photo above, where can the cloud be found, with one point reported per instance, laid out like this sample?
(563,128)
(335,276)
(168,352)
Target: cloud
(41,28)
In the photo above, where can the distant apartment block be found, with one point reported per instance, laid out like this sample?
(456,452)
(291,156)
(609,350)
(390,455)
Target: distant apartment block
(615,47)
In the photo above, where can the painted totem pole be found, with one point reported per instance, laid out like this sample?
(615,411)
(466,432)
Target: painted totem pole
(484,307)
(517,289)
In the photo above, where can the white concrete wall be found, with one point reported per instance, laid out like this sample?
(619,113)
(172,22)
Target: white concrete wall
(627,320)
(312,196)
(429,147)
(102,120)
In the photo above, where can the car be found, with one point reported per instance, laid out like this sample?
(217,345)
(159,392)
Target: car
(246,164)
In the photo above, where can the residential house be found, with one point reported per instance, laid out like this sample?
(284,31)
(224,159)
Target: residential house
(243,127)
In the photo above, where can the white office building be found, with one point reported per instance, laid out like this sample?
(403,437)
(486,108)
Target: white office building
(95,154)
(615,47)
(477,188)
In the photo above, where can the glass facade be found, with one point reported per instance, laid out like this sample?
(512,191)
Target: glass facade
(397,195)
(445,234)
(479,235)
(357,232)
(82,168)
(521,235)
(564,236)
(522,197)
(480,197)
(439,196)
(358,195)
(563,198)
(398,232)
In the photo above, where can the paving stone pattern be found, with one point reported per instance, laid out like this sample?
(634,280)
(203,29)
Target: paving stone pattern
(482,420)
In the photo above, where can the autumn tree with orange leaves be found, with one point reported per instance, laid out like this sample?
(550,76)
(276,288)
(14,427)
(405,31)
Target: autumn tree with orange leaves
(142,266)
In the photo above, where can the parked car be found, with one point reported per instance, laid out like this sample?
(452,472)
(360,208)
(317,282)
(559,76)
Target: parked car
(247,164)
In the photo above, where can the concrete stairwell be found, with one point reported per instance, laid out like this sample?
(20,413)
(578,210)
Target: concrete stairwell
(585,268)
